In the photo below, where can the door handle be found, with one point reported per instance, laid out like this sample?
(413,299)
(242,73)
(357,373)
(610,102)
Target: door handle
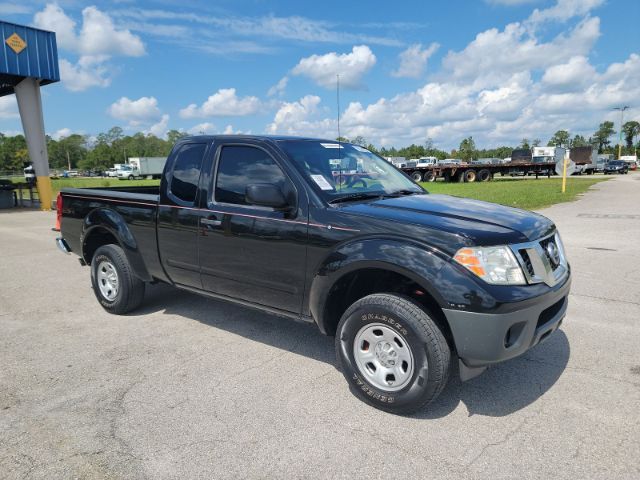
(211,222)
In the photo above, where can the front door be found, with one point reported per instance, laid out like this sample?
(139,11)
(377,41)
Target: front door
(254,253)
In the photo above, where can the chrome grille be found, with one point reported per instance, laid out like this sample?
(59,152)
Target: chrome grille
(542,260)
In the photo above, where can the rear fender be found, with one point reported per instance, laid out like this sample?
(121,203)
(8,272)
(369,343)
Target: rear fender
(109,220)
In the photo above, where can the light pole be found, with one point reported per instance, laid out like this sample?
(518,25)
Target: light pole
(622,109)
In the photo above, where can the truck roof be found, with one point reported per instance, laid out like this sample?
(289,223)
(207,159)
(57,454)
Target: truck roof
(274,138)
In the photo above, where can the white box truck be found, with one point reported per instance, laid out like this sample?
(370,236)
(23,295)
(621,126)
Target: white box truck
(142,167)
(553,155)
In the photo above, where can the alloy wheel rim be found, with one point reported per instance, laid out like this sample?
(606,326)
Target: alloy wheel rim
(383,357)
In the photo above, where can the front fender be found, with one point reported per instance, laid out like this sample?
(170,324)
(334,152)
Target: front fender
(111,221)
(417,262)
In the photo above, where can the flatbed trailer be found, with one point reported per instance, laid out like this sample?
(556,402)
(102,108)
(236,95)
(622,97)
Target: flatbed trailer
(472,172)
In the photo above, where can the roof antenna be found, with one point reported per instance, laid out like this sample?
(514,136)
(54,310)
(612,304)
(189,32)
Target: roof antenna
(338,101)
(340,181)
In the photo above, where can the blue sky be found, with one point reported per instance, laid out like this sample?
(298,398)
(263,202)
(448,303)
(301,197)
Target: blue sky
(499,70)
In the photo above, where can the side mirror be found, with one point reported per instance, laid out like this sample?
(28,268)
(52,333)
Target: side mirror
(265,195)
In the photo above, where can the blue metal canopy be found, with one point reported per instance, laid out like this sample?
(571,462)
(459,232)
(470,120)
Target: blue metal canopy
(26,52)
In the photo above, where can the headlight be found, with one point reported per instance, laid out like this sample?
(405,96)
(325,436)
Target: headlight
(495,265)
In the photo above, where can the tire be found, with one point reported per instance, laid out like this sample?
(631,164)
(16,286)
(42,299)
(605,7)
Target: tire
(429,177)
(484,175)
(130,177)
(470,175)
(416,176)
(126,292)
(408,335)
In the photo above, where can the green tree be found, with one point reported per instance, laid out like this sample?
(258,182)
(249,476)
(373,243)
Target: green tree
(579,141)
(559,139)
(467,150)
(536,142)
(630,130)
(174,135)
(524,143)
(603,134)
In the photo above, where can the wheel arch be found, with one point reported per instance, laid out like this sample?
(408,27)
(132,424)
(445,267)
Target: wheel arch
(104,226)
(380,267)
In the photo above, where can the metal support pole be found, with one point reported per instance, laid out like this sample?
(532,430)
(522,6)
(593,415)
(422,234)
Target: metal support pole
(30,106)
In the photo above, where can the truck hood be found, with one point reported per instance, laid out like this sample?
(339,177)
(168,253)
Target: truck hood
(483,223)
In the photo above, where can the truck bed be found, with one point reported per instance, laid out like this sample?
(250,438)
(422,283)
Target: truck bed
(137,206)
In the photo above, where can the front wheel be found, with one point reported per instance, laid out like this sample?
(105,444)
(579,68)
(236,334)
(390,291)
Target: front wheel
(416,176)
(115,285)
(392,353)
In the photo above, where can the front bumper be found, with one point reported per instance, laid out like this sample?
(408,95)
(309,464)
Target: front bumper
(483,339)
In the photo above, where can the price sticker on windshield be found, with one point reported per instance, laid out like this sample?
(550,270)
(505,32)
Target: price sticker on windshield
(322,182)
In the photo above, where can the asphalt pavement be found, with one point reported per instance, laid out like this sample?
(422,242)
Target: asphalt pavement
(189,387)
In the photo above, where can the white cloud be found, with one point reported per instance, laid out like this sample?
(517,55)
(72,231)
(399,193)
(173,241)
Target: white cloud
(351,67)
(522,51)
(223,103)
(413,60)
(83,75)
(61,133)
(13,9)
(98,40)
(278,88)
(159,129)
(98,34)
(53,18)
(299,118)
(205,128)
(577,71)
(564,10)
(136,112)
(8,107)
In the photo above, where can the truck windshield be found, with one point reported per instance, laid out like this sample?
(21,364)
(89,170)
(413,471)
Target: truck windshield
(542,159)
(341,169)
(125,168)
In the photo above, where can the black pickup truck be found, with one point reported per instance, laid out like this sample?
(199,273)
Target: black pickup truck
(409,283)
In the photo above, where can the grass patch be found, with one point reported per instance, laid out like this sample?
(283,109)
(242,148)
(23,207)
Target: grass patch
(529,194)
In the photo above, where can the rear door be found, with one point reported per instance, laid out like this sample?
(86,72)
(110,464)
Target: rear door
(249,252)
(178,218)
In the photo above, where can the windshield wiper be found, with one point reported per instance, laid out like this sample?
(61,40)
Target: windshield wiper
(356,196)
(400,193)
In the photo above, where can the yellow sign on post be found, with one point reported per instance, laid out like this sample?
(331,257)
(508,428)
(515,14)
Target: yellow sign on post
(16,43)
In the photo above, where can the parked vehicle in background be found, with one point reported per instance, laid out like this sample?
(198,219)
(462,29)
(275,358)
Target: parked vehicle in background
(601,163)
(142,167)
(521,155)
(631,160)
(548,156)
(408,283)
(616,166)
(585,158)
(397,161)
(69,173)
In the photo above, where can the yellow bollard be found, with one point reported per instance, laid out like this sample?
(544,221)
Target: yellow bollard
(564,175)
(44,192)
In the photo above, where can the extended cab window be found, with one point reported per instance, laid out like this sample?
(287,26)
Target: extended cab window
(240,166)
(186,171)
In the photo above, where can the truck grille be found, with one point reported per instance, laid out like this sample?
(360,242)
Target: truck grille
(542,260)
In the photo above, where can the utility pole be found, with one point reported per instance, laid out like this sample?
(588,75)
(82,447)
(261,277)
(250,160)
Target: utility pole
(622,109)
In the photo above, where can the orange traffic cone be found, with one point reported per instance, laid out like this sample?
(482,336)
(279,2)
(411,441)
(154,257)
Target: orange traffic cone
(58,213)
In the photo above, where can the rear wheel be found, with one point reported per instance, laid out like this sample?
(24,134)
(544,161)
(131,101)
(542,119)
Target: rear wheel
(470,176)
(429,177)
(416,176)
(116,287)
(484,175)
(392,353)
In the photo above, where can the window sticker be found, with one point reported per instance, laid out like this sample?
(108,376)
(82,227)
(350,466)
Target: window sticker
(331,145)
(322,182)
(361,149)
